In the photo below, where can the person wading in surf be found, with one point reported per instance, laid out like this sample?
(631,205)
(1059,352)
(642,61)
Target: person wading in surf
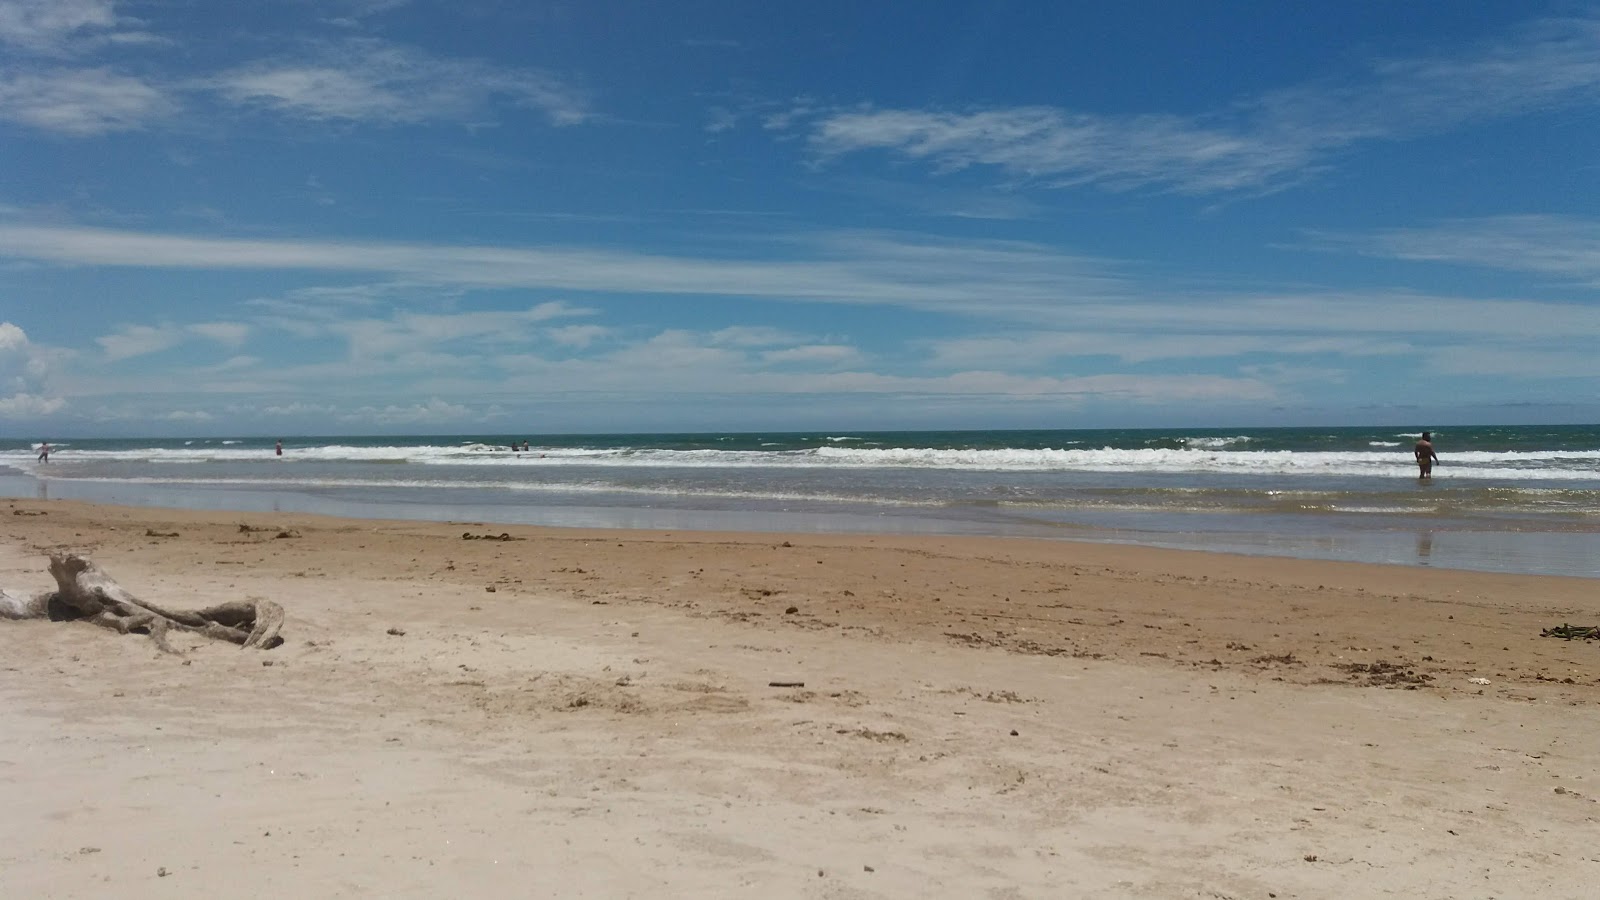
(1425,456)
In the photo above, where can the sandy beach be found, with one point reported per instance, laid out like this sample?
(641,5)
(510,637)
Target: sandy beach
(578,713)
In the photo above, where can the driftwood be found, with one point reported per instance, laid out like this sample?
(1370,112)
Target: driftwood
(85,591)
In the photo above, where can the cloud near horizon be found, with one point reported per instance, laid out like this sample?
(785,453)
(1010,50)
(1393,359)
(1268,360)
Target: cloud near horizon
(25,370)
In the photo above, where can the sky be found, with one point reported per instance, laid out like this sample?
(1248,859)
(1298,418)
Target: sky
(297,217)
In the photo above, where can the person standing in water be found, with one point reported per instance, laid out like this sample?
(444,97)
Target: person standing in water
(1425,456)
(279,448)
(44,451)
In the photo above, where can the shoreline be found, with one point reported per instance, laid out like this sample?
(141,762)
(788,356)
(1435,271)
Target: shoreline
(594,711)
(1489,547)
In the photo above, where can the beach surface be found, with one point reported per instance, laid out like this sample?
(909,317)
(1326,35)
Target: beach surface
(584,713)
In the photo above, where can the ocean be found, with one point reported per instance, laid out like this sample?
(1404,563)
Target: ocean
(1503,498)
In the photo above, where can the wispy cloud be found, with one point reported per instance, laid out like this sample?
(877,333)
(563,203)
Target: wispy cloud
(1042,348)
(682,363)
(751,336)
(1515,360)
(814,354)
(151,412)
(457,359)
(434,412)
(229,333)
(1259,142)
(367,80)
(992,278)
(81,102)
(1562,247)
(1545,65)
(68,28)
(1067,148)
(52,26)
(357,80)
(1004,281)
(354,13)
(141,340)
(577,335)
(409,333)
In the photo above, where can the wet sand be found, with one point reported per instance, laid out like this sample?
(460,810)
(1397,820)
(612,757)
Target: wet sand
(593,713)
(1535,545)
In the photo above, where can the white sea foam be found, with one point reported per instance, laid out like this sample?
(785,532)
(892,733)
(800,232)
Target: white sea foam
(1215,443)
(1582,465)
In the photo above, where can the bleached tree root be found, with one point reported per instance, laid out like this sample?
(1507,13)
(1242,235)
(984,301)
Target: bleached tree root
(85,591)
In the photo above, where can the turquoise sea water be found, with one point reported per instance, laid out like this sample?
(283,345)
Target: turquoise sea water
(1504,498)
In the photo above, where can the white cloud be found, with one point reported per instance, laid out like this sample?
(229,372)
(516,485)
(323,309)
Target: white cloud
(81,102)
(1043,347)
(1141,389)
(12,338)
(1513,361)
(414,332)
(1258,143)
(577,335)
(19,406)
(994,278)
(234,363)
(750,336)
(813,354)
(675,354)
(1286,373)
(680,363)
(995,281)
(49,26)
(684,365)
(434,412)
(365,80)
(230,333)
(142,340)
(351,13)
(1548,64)
(1564,247)
(1070,148)
(138,340)
(720,119)
(140,412)
(26,373)
(299,409)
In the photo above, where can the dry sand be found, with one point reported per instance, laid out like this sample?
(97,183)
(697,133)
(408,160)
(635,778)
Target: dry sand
(590,714)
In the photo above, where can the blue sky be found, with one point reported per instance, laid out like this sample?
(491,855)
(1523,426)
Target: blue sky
(372,216)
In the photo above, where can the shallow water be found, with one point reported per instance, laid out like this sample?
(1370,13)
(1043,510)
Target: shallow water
(1504,499)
